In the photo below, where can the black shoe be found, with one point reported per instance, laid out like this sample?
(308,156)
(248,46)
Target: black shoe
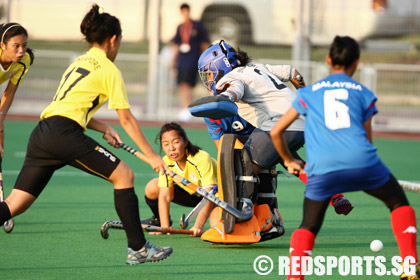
(154,221)
(341,204)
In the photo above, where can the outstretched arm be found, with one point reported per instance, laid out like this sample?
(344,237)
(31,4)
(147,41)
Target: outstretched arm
(287,73)
(6,102)
(201,220)
(130,125)
(166,195)
(110,134)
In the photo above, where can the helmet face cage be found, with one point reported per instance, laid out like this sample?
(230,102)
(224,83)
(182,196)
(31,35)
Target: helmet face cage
(209,74)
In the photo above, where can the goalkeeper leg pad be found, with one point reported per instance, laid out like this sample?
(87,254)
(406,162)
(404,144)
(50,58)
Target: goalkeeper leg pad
(236,187)
(235,177)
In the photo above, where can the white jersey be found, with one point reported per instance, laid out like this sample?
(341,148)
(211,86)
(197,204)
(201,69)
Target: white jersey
(262,97)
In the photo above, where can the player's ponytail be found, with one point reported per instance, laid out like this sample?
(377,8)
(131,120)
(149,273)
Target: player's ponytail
(243,57)
(97,26)
(31,55)
(344,51)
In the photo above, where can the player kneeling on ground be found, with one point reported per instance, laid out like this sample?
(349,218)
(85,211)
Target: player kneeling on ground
(191,162)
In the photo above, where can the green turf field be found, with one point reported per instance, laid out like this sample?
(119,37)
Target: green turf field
(59,236)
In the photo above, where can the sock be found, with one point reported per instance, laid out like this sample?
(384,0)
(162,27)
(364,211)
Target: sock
(154,206)
(5,214)
(127,206)
(301,244)
(403,221)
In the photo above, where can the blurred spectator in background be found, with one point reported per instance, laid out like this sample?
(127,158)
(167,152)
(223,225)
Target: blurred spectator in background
(190,41)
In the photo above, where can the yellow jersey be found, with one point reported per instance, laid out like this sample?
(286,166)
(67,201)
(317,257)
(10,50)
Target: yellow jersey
(16,71)
(201,169)
(86,85)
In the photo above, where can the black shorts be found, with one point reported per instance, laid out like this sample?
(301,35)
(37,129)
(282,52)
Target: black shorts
(56,142)
(262,151)
(183,198)
(188,76)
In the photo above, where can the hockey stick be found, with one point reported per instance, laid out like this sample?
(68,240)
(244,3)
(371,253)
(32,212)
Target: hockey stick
(185,222)
(118,225)
(244,215)
(409,186)
(8,225)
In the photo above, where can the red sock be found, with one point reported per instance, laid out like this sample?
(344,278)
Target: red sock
(301,244)
(403,221)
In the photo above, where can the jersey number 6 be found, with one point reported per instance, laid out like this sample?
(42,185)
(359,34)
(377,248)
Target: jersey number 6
(336,113)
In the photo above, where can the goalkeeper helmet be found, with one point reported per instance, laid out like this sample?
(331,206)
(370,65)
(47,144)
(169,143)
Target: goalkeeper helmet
(215,62)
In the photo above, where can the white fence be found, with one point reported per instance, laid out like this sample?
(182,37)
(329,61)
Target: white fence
(397,88)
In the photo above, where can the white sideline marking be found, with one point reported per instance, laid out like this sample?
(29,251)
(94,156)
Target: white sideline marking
(150,174)
(19,154)
(74,173)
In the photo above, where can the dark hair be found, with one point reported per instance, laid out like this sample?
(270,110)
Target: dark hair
(191,149)
(97,27)
(185,6)
(12,29)
(243,57)
(344,51)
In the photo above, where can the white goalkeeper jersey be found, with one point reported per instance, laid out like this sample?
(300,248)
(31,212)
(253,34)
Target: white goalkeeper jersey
(262,97)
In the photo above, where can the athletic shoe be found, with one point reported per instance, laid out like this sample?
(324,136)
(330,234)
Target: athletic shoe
(412,277)
(341,204)
(154,221)
(149,253)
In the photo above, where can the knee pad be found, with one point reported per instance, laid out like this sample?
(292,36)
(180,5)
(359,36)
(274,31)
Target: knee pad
(235,177)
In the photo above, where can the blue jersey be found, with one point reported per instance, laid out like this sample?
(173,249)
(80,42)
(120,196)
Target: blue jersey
(335,109)
(234,125)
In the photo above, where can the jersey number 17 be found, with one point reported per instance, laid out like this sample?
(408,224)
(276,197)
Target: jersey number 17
(80,74)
